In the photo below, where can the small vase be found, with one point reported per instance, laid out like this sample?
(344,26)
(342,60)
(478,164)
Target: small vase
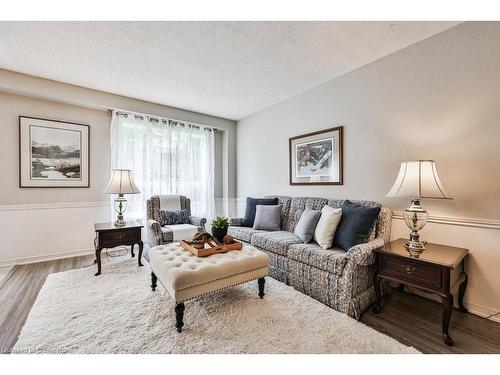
(219,233)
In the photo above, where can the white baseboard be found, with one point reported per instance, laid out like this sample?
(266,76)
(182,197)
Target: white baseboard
(41,232)
(479,310)
(46,257)
(482,311)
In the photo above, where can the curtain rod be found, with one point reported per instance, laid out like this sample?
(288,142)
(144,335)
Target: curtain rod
(157,119)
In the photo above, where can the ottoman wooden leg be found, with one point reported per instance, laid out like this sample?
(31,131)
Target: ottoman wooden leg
(154,279)
(179,315)
(261,282)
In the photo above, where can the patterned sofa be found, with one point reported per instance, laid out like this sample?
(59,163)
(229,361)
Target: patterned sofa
(340,279)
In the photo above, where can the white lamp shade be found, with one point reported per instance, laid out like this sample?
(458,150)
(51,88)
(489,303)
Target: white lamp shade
(418,179)
(121,182)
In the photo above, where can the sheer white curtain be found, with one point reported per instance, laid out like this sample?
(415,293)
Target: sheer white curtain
(166,157)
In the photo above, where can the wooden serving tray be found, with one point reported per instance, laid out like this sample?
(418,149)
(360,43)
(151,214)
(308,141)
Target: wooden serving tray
(210,247)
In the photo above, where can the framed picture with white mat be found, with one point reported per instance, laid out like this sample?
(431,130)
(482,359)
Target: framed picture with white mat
(316,158)
(53,153)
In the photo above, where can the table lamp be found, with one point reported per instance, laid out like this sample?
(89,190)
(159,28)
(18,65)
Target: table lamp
(121,182)
(416,180)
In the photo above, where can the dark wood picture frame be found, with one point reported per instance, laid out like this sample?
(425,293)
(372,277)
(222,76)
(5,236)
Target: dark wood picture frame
(341,158)
(87,185)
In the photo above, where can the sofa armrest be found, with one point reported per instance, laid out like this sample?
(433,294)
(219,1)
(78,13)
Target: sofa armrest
(236,221)
(362,254)
(198,221)
(153,233)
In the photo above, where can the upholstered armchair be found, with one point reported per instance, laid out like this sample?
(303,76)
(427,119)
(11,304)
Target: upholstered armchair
(158,234)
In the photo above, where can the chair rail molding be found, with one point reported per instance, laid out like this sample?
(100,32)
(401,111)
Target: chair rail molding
(53,206)
(460,221)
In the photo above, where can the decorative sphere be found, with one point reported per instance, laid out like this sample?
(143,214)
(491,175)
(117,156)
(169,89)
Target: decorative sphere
(228,240)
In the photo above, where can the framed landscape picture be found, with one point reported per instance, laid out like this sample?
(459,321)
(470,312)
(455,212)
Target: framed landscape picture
(316,158)
(53,153)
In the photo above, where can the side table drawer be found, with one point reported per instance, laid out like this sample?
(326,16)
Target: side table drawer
(118,237)
(417,272)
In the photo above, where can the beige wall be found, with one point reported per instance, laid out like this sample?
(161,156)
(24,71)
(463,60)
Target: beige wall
(13,106)
(438,99)
(34,87)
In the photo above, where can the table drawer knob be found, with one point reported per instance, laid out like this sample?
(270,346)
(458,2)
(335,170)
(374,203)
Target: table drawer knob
(408,269)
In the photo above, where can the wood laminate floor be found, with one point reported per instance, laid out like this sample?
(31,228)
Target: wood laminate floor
(408,318)
(4,271)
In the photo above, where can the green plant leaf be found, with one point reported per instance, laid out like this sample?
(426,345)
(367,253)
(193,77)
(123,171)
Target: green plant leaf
(220,222)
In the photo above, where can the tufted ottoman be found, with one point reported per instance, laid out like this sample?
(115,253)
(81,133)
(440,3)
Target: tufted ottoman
(186,276)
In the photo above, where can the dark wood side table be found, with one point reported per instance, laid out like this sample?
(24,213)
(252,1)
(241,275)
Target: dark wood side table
(430,272)
(108,236)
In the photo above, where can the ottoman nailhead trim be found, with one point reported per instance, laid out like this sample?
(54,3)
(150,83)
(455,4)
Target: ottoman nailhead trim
(221,278)
(214,291)
(218,290)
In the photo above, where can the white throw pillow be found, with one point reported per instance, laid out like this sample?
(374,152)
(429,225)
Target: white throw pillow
(327,225)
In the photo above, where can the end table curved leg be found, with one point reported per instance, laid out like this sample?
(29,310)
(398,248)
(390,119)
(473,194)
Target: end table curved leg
(98,260)
(378,295)
(461,293)
(141,246)
(447,299)
(132,250)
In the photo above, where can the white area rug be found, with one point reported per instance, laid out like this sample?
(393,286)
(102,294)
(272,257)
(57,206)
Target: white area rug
(117,312)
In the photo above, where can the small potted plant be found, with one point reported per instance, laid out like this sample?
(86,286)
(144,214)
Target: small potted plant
(219,227)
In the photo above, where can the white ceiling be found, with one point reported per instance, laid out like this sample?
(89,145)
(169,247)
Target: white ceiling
(226,69)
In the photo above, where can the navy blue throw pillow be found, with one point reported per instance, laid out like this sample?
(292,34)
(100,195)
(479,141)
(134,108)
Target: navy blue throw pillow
(251,207)
(355,225)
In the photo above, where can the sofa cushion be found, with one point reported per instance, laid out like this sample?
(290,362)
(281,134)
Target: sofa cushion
(178,232)
(174,217)
(267,217)
(284,201)
(327,225)
(242,233)
(355,225)
(307,224)
(276,242)
(298,205)
(252,206)
(336,203)
(331,260)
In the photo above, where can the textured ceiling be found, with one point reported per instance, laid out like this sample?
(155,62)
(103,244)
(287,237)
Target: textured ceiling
(226,69)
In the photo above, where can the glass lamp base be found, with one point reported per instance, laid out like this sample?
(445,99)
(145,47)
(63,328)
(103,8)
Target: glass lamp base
(415,217)
(120,207)
(414,247)
(120,222)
